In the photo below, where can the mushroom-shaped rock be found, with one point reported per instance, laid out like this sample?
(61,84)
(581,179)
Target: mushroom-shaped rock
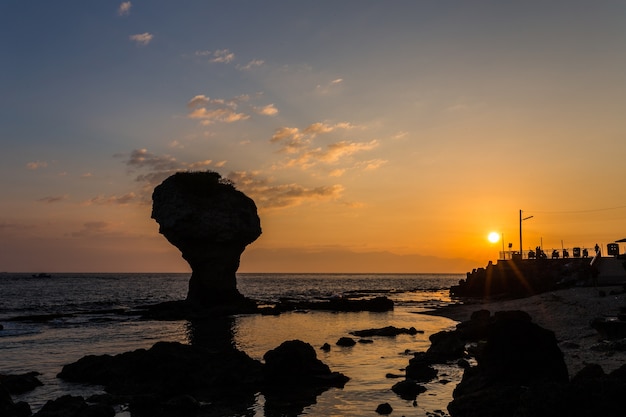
(211,223)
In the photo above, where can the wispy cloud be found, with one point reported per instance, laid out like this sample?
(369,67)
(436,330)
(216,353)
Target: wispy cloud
(268,195)
(91,229)
(208,117)
(293,140)
(373,164)
(255,63)
(154,170)
(304,154)
(328,87)
(36,165)
(209,110)
(54,199)
(329,155)
(222,56)
(141,39)
(124,8)
(124,199)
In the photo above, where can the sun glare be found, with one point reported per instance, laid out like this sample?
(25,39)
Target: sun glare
(493,237)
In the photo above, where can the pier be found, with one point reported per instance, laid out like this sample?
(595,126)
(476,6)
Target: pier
(515,276)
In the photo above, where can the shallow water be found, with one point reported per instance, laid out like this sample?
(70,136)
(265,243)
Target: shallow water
(91,327)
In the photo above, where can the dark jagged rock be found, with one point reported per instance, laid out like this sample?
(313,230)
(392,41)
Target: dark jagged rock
(408,389)
(71,406)
(167,369)
(294,377)
(591,392)
(609,328)
(384,409)
(388,331)
(420,371)
(345,342)
(8,408)
(211,223)
(19,384)
(295,362)
(445,346)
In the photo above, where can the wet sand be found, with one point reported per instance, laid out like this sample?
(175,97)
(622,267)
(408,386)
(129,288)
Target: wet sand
(568,314)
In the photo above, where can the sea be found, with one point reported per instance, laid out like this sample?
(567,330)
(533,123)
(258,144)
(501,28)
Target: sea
(50,321)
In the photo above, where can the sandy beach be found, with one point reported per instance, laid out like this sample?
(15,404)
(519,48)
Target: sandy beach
(568,314)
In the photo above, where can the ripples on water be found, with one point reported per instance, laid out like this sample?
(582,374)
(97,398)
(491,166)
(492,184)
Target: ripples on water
(89,323)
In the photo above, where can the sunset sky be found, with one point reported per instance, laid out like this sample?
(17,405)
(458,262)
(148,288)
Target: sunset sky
(374,136)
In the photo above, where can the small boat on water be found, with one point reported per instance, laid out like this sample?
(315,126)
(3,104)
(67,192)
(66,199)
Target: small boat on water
(42,275)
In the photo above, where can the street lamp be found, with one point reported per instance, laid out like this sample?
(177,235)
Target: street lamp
(521,219)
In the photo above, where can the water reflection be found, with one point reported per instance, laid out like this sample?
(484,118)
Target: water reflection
(279,398)
(216,334)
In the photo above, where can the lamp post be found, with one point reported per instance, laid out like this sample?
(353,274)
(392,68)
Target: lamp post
(521,219)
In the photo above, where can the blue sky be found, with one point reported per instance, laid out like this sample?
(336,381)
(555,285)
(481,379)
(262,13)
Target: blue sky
(403,130)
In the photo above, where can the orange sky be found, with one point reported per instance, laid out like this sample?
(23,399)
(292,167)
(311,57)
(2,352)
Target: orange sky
(372,138)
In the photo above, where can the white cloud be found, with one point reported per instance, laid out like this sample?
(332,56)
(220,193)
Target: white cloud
(124,9)
(141,39)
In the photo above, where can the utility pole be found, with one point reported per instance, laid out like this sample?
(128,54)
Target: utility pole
(521,219)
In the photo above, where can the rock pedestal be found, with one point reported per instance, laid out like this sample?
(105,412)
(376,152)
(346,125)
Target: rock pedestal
(211,223)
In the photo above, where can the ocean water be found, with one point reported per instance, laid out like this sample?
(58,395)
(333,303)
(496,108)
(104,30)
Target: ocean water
(95,314)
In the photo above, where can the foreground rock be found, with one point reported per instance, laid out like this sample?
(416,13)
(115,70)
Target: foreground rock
(294,377)
(8,408)
(16,384)
(19,384)
(389,331)
(175,379)
(71,406)
(516,354)
(211,223)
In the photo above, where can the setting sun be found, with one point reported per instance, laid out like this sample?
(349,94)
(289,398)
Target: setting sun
(493,237)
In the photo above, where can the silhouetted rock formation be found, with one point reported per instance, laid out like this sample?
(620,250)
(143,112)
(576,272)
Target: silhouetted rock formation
(211,223)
